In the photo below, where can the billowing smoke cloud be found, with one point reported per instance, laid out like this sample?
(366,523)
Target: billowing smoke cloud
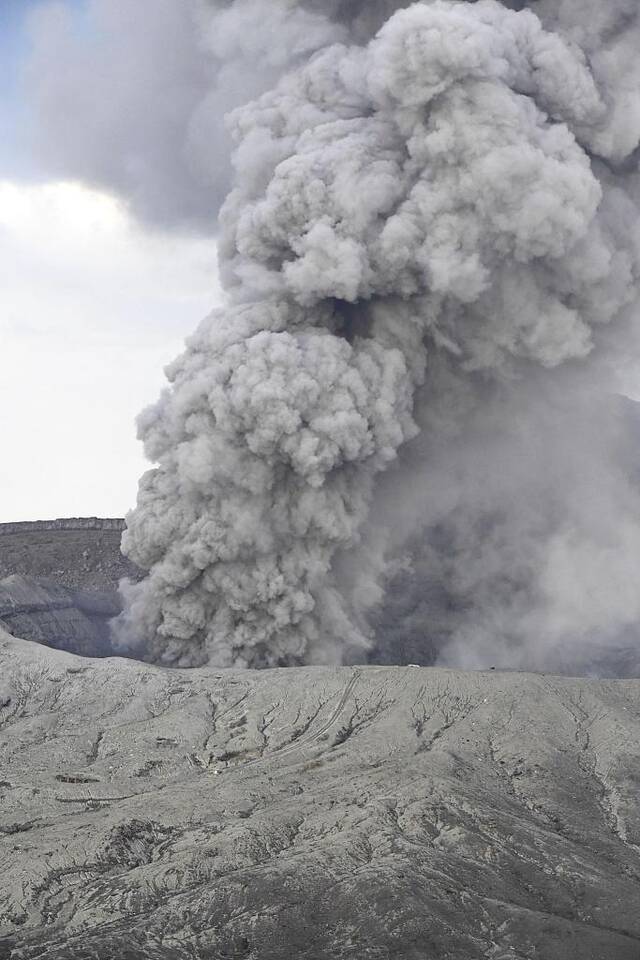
(396,434)
(131,96)
(526,552)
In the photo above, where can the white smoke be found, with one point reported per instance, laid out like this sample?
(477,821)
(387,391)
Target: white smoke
(431,235)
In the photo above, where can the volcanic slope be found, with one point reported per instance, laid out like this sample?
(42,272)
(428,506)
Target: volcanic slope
(81,553)
(347,812)
(59,581)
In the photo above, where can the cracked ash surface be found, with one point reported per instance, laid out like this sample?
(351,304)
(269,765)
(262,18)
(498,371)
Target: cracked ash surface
(373,812)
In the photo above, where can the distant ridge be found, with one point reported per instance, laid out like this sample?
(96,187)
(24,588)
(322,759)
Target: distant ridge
(68,523)
(78,553)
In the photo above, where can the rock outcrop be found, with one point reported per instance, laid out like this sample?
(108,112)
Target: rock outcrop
(73,620)
(370,812)
(59,581)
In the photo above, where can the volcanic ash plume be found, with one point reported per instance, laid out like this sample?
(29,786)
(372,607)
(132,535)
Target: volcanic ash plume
(428,234)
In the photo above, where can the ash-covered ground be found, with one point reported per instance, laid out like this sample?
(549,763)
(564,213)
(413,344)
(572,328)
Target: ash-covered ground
(380,812)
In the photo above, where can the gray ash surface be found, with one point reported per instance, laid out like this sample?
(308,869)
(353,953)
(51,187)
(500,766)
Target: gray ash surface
(317,813)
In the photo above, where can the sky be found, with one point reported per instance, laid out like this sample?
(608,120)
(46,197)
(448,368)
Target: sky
(94,304)
(13,14)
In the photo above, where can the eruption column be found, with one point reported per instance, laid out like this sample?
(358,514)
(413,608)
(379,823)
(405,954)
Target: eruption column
(421,226)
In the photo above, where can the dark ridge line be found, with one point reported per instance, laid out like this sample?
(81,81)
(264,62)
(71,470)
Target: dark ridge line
(71,523)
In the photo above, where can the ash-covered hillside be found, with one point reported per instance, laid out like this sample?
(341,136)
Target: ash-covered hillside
(81,553)
(59,581)
(331,813)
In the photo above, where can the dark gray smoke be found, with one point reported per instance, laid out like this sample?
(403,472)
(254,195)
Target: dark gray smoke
(397,432)
(527,549)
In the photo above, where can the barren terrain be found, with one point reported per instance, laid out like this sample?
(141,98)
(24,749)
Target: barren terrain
(369,812)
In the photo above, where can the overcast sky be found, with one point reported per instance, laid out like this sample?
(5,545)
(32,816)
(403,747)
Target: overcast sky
(94,303)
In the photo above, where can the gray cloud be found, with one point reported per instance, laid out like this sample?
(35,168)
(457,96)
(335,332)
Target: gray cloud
(430,256)
(523,548)
(131,97)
